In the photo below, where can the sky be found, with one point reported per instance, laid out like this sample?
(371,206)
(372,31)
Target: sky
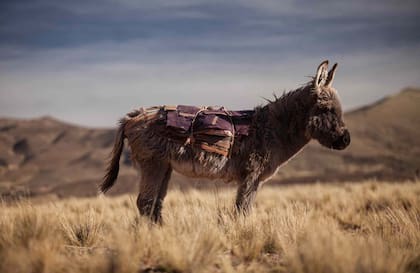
(89,62)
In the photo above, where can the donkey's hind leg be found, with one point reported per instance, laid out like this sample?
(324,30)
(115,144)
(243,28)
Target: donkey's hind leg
(153,186)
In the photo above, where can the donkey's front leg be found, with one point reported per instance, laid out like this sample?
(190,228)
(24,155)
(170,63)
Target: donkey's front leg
(245,196)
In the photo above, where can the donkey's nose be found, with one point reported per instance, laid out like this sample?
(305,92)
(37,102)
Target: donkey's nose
(346,138)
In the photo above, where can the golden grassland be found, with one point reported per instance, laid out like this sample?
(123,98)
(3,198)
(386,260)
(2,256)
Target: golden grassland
(364,227)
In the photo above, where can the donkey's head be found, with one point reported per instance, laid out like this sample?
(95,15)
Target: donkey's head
(326,117)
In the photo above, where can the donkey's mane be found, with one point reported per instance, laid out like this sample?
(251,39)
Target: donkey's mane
(290,103)
(281,117)
(289,93)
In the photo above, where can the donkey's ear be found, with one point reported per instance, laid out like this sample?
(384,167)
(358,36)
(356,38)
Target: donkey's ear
(331,75)
(321,74)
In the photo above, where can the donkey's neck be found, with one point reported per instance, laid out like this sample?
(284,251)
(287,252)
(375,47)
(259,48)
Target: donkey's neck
(287,122)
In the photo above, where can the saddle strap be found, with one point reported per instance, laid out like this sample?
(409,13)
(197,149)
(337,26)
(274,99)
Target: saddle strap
(191,140)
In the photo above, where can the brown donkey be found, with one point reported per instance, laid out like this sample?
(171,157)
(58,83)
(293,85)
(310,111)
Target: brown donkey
(277,131)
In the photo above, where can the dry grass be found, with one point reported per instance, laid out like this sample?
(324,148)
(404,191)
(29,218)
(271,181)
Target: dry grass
(367,227)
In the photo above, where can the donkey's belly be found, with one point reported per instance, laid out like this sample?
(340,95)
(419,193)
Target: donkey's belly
(215,168)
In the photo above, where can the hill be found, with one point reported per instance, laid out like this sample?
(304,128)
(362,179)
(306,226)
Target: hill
(48,157)
(45,155)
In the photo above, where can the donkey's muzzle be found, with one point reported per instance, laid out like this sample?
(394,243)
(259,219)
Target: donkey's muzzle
(342,142)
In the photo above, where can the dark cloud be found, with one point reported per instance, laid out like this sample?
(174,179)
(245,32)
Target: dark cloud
(182,25)
(83,60)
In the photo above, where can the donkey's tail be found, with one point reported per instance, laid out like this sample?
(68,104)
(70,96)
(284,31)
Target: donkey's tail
(114,164)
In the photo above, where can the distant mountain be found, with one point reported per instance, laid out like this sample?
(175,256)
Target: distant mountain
(45,155)
(48,157)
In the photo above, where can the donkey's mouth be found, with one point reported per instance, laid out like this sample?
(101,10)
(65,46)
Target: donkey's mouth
(338,146)
(342,142)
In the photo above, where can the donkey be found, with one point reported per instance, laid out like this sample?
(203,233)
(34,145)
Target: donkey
(278,131)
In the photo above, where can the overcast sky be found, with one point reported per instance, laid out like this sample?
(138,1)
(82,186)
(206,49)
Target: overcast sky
(90,62)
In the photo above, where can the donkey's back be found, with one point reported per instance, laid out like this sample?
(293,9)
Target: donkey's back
(195,141)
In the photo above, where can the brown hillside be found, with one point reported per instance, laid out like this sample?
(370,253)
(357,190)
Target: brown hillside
(40,156)
(46,156)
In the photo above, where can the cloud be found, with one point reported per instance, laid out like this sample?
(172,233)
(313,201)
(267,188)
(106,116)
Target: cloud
(52,24)
(91,61)
(98,92)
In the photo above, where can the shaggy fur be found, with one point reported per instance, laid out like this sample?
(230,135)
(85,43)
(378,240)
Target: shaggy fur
(279,130)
